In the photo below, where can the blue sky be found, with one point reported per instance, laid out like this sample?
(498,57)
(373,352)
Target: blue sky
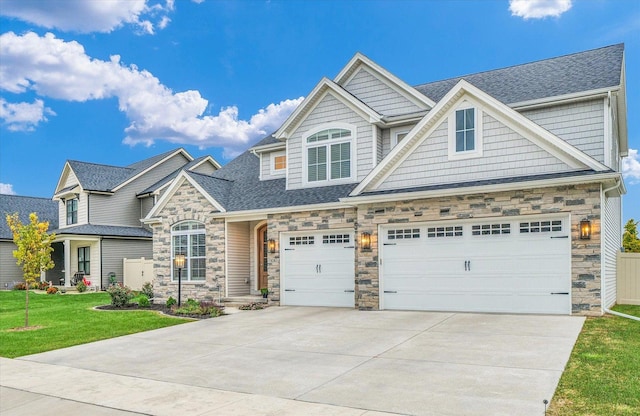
(118,81)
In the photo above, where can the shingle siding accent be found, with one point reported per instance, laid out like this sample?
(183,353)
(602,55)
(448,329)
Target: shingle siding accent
(188,204)
(379,96)
(585,271)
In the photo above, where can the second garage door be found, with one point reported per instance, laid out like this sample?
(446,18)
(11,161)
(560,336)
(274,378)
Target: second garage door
(517,266)
(318,268)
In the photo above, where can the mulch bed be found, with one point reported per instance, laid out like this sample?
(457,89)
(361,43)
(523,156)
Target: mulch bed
(153,307)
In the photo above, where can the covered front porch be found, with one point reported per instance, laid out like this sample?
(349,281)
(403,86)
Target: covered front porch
(247,247)
(74,256)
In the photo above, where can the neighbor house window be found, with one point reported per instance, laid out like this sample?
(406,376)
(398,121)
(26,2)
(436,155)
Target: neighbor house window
(84,260)
(278,162)
(465,133)
(329,155)
(72,211)
(188,238)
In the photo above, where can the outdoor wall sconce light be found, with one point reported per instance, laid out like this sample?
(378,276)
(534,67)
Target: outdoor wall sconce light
(365,241)
(271,245)
(179,261)
(585,229)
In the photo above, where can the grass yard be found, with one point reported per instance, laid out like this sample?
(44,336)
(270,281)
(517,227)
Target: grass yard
(67,320)
(603,373)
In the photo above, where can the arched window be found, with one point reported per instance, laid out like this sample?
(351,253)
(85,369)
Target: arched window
(188,238)
(329,155)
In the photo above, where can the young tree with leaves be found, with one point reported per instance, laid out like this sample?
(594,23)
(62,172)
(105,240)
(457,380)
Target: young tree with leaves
(33,250)
(630,240)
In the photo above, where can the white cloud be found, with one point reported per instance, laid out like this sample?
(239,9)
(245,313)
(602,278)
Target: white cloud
(23,116)
(90,16)
(62,70)
(538,9)
(6,189)
(631,167)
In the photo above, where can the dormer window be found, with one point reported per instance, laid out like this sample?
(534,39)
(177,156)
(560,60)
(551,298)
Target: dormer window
(72,211)
(329,155)
(278,163)
(465,133)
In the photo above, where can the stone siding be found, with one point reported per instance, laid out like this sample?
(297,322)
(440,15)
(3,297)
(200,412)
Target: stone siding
(581,201)
(185,205)
(301,221)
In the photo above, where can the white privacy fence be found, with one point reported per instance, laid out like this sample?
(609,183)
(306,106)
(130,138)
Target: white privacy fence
(137,272)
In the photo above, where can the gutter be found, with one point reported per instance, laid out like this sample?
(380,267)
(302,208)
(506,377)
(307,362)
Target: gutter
(603,244)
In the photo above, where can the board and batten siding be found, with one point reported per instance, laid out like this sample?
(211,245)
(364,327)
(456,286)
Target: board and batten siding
(505,154)
(10,272)
(114,250)
(238,258)
(580,124)
(613,240)
(123,207)
(378,95)
(330,110)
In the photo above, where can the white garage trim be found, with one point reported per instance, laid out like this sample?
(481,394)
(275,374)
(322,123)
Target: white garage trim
(504,264)
(317,268)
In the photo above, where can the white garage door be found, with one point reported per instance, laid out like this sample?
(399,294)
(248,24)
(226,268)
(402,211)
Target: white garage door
(519,266)
(318,268)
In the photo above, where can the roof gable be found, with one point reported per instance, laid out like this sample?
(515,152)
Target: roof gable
(501,112)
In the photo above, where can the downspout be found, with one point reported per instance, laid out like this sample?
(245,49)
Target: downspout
(101,259)
(604,240)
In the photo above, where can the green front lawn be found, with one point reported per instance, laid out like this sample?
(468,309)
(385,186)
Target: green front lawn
(603,373)
(67,320)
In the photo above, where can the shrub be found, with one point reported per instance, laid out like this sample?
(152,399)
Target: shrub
(52,290)
(120,295)
(147,289)
(20,286)
(210,308)
(43,285)
(34,285)
(143,301)
(251,306)
(171,301)
(193,307)
(81,287)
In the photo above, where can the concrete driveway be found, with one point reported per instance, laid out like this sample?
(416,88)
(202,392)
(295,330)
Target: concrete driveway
(296,360)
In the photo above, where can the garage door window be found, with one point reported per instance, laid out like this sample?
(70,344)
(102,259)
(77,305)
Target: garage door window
(540,226)
(438,232)
(490,229)
(403,234)
(335,239)
(302,240)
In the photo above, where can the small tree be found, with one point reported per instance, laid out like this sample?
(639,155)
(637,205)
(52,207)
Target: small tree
(33,250)
(630,240)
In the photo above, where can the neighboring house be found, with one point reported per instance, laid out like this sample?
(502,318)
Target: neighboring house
(45,208)
(100,208)
(468,194)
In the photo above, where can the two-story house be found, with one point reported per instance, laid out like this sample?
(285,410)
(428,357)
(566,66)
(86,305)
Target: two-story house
(99,212)
(491,192)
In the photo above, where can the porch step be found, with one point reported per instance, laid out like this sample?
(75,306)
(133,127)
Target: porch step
(235,301)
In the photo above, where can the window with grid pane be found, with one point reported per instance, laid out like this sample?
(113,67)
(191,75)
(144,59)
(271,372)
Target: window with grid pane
(188,238)
(329,155)
(465,130)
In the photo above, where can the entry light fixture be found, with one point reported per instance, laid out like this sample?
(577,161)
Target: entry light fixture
(365,241)
(272,246)
(585,229)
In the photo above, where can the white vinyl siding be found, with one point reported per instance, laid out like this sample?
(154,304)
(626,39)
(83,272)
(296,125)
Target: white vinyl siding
(123,207)
(579,124)
(612,242)
(266,167)
(238,258)
(115,250)
(505,154)
(329,112)
(378,95)
(379,146)
(146,204)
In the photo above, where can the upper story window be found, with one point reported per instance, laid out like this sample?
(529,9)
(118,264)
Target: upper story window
(188,238)
(278,163)
(465,133)
(72,211)
(329,155)
(397,134)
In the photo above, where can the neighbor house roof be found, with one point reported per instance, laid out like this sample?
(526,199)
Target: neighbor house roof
(569,74)
(162,182)
(46,209)
(105,230)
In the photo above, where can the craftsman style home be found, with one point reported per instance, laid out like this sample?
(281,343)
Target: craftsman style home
(99,211)
(491,192)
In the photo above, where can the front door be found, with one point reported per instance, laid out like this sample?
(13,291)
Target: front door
(263,250)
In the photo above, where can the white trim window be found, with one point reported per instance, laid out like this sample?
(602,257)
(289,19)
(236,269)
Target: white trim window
(397,134)
(72,211)
(188,238)
(278,163)
(329,155)
(465,133)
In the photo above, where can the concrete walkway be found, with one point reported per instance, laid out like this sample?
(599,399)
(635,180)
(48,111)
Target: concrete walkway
(305,361)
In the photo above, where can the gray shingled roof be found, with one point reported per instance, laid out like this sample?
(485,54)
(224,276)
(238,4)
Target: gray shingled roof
(46,209)
(578,72)
(104,178)
(105,230)
(171,176)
